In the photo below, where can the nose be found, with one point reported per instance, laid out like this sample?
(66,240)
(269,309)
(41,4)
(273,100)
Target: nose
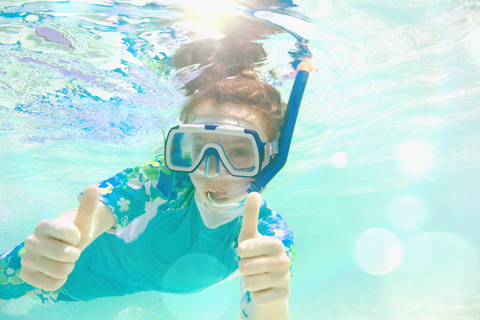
(213,167)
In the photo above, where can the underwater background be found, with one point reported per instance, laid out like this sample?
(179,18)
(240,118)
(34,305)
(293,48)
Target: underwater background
(381,188)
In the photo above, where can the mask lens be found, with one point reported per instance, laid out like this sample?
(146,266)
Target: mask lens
(181,150)
(241,154)
(238,151)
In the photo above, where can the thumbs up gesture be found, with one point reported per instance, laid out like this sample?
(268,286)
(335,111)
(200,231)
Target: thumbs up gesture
(264,265)
(55,245)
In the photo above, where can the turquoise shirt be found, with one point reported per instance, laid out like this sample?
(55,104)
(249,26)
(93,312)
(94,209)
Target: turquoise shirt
(160,242)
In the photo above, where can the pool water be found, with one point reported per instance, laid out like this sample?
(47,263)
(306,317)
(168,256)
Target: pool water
(381,188)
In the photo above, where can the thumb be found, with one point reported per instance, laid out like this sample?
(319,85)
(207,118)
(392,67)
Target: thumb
(250,217)
(86,209)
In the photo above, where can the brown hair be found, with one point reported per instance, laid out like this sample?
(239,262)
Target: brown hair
(217,59)
(243,90)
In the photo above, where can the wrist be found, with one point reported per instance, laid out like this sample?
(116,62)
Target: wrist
(277,311)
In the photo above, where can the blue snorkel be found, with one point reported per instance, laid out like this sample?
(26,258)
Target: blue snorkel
(303,66)
(286,134)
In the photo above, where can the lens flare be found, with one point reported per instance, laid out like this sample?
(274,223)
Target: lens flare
(417,248)
(378,251)
(415,157)
(339,159)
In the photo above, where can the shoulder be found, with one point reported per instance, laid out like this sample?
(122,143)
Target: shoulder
(155,168)
(156,173)
(176,187)
(270,223)
(136,190)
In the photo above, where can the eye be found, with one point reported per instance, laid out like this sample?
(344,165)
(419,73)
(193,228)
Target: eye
(241,157)
(238,152)
(196,149)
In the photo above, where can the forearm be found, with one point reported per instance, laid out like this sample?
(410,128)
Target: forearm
(279,311)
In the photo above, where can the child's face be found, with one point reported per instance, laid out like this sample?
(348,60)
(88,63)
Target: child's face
(220,187)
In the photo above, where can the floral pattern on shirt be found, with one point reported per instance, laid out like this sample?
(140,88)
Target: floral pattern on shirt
(271,224)
(9,274)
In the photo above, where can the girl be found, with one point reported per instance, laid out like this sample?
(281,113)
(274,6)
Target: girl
(179,223)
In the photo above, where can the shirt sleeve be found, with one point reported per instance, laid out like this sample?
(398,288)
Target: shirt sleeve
(134,191)
(11,285)
(270,224)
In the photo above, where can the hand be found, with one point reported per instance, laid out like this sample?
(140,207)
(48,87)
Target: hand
(264,265)
(56,244)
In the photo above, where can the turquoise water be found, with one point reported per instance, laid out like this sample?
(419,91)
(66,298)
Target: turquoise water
(381,187)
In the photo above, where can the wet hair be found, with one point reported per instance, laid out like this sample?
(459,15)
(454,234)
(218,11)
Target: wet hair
(217,59)
(242,90)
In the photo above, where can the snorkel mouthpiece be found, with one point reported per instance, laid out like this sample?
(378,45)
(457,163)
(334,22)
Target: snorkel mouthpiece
(231,205)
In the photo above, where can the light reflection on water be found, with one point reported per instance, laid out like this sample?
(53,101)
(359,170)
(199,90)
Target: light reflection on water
(387,142)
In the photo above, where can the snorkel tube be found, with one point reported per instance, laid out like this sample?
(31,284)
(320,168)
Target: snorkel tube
(304,68)
(276,164)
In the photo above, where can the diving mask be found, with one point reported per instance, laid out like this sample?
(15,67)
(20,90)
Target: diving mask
(232,148)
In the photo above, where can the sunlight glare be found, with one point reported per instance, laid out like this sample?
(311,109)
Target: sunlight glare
(339,159)
(210,6)
(472,44)
(211,13)
(415,157)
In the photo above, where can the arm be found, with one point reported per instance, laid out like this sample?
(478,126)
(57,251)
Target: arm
(47,256)
(50,253)
(56,244)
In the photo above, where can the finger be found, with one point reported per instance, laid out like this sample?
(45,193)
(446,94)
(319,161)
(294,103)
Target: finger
(259,265)
(250,217)
(86,209)
(59,251)
(256,265)
(42,281)
(270,296)
(51,268)
(53,249)
(264,246)
(63,230)
(265,281)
